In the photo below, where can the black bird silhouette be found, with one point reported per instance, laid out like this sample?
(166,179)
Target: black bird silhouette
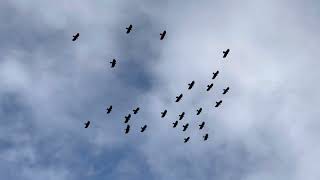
(181,115)
(191,85)
(225,90)
(129,29)
(218,103)
(202,125)
(113,63)
(205,137)
(175,124)
(199,111)
(185,127)
(75,37)
(225,53)
(178,98)
(215,75)
(162,35)
(127,118)
(127,129)
(209,86)
(143,128)
(186,139)
(135,111)
(163,114)
(109,109)
(87,124)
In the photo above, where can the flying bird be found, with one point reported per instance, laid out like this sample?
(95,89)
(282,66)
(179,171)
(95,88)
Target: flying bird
(175,124)
(186,139)
(209,86)
(113,63)
(127,118)
(185,127)
(135,111)
(225,53)
(143,128)
(87,124)
(225,90)
(181,115)
(218,103)
(129,29)
(215,74)
(162,35)
(199,111)
(178,98)
(163,114)
(202,125)
(109,109)
(75,37)
(205,137)
(127,129)
(191,85)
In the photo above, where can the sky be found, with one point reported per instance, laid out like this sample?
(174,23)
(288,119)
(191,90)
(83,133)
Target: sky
(267,127)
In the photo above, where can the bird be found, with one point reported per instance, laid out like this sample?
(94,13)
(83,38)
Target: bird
(185,127)
(129,28)
(87,124)
(135,111)
(127,118)
(218,103)
(225,90)
(199,111)
(215,74)
(109,109)
(186,139)
(127,129)
(178,98)
(113,63)
(181,115)
(163,114)
(75,37)
(143,128)
(202,125)
(205,137)
(175,124)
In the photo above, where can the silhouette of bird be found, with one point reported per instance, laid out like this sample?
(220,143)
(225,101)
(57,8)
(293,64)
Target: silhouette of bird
(185,127)
(129,28)
(186,139)
(143,128)
(175,124)
(205,137)
(225,90)
(135,111)
(127,129)
(75,37)
(181,115)
(202,125)
(218,103)
(199,111)
(163,114)
(215,75)
(87,124)
(109,109)
(127,118)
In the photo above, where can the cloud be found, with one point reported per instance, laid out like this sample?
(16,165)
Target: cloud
(267,125)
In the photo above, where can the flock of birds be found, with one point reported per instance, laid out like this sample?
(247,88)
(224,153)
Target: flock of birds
(178,98)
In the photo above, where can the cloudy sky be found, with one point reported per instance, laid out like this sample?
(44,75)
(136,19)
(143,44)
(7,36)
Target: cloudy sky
(267,127)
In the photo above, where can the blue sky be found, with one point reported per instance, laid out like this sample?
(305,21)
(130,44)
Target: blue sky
(267,127)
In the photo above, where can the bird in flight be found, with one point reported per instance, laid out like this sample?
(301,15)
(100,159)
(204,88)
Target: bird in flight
(225,53)
(205,137)
(185,127)
(109,109)
(127,129)
(162,34)
(75,37)
(113,63)
(215,74)
(218,103)
(225,90)
(129,28)
(199,111)
(143,128)
(135,111)
(202,125)
(191,85)
(87,124)
(178,98)
(209,86)
(175,124)
(181,115)
(163,114)
(127,118)
(186,139)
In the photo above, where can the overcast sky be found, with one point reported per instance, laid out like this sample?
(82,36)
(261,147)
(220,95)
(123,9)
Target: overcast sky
(267,127)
